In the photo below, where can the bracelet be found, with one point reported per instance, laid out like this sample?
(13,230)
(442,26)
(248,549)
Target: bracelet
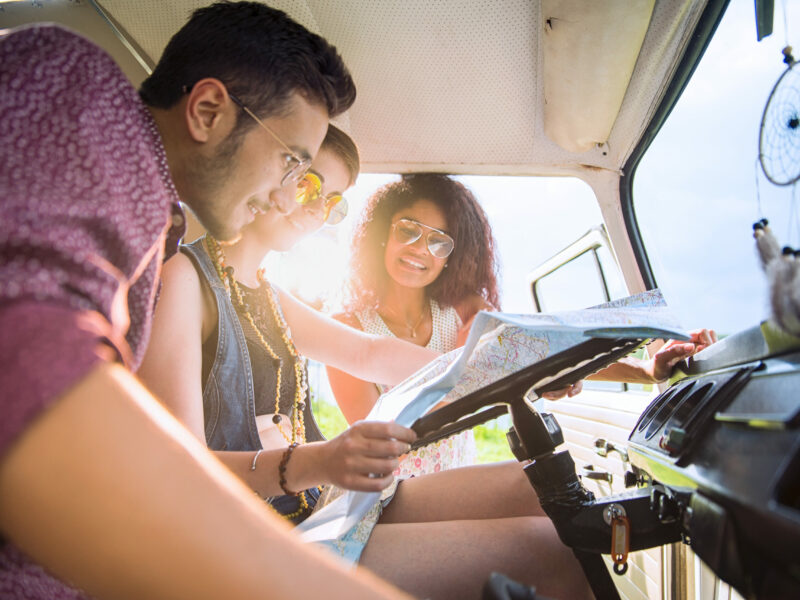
(255,458)
(282,469)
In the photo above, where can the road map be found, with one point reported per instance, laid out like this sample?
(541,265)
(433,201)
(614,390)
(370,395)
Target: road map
(498,345)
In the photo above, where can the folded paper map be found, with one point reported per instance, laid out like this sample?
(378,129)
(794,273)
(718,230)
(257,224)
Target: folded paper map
(498,345)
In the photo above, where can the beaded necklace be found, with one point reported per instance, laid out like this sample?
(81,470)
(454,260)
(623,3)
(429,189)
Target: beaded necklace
(226,274)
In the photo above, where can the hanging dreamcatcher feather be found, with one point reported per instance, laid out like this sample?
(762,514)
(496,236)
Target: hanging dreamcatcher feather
(782,267)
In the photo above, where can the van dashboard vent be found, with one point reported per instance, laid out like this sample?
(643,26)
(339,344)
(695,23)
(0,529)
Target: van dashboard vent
(678,415)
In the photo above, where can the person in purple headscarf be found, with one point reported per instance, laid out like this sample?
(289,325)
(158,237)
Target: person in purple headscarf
(99,486)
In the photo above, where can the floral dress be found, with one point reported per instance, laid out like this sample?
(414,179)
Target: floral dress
(456,451)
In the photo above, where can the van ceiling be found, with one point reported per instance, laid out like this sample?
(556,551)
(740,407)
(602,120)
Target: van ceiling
(487,86)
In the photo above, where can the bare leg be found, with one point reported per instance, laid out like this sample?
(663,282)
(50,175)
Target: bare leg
(453,559)
(479,492)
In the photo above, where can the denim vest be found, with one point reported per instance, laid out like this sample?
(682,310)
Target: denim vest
(228,392)
(228,397)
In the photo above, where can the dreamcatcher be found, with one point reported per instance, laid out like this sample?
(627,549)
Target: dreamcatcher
(779,155)
(779,140)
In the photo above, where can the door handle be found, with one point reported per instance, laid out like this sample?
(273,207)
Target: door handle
(589,472)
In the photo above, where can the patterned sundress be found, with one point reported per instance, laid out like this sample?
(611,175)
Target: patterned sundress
(456,451)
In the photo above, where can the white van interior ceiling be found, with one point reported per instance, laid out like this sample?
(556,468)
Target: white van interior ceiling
(539,87)
(582,95)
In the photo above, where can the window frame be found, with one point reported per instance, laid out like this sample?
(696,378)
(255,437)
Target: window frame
(591,241)
(706,27)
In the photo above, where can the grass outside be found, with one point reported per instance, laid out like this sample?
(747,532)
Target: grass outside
(490,438)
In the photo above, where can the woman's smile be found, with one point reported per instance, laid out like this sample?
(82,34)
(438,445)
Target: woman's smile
(412,263)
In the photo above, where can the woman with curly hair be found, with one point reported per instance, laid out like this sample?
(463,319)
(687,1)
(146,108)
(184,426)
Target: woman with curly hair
(227,356)
(423,264)
(463,272)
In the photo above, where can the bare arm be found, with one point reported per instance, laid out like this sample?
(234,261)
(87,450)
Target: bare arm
(156,515)
(628,370)
(354,396)
(172,371)
(658,368)
(368,357)
(172,366)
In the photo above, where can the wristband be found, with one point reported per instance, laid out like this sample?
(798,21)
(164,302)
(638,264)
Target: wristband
(282,469)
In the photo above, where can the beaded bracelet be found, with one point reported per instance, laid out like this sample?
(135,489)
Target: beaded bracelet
(282,469)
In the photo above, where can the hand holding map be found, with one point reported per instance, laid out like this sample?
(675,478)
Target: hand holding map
(498,345)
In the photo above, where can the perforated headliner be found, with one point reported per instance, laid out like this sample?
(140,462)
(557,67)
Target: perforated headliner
(490,86)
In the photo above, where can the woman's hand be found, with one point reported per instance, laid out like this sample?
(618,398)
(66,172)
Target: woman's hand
(363,457)
(673,352)
(569,392)
(658,368)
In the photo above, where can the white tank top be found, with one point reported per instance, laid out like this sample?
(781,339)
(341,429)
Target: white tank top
(446,324)
(456,451)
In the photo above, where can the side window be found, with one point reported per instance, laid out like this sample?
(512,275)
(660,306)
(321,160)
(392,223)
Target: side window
(699,186)
(584,274)
(574,285)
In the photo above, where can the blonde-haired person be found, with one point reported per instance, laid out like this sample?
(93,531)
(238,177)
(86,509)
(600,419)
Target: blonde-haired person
(226,357)
(227,352)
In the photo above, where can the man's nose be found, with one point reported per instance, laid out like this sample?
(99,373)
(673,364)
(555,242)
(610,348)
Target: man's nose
(283,199)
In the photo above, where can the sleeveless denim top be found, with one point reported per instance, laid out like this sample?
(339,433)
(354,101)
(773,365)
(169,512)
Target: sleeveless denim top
(229,404)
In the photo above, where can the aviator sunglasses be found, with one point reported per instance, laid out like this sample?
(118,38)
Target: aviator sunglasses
(408,231)
(309,192)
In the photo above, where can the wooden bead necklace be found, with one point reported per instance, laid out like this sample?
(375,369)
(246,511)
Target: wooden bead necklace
(226,274)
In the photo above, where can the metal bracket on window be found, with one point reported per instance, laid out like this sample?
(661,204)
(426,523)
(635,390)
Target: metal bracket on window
(603,447)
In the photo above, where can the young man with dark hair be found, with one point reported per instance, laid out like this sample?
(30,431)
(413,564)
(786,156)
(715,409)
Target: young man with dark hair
(98,483)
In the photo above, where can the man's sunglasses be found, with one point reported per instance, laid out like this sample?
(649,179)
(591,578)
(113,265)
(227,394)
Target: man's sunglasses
(309,194)
(408,231)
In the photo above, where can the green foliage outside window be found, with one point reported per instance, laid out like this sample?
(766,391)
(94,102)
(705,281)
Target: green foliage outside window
(490,438)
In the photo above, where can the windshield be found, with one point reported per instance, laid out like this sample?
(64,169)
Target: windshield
(532,218)
(696,191)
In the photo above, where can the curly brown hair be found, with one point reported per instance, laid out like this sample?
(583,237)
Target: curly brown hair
(471,268)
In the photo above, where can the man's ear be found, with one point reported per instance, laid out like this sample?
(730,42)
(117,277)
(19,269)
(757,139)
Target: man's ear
(210,112)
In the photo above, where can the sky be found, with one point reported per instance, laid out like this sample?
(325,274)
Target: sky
(695,196)
(697,188)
